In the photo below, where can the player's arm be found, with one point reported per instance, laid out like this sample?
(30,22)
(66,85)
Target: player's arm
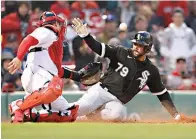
(90,70)
(71,74)
(38,36)
(166,101)
(157,88)
(100,48)
(26,43)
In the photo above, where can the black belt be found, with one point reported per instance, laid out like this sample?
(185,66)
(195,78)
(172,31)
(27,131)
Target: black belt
(37,49)
(105,88)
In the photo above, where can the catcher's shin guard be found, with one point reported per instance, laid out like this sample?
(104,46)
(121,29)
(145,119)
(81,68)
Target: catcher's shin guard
(52,116)
(44,96)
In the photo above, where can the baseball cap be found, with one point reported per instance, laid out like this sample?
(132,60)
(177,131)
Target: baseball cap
(110,18)
(178,10)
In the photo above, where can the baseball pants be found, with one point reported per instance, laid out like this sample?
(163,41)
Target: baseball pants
(98,97)
(35,78)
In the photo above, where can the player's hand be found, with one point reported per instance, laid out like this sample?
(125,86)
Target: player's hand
(177,117)
(14,65)
(80,28)
(183,118)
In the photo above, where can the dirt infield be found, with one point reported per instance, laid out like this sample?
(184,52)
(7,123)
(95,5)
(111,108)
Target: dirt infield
(190,119)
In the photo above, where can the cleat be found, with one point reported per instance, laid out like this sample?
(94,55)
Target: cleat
(17,115)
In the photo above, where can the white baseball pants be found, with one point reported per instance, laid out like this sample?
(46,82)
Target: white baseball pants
(96,97)
(34,78)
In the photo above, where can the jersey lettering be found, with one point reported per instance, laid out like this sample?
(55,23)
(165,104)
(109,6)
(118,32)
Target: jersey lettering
(124,70)
(143,79)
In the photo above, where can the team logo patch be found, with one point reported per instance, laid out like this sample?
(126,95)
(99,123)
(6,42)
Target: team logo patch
(143,79)
(138,37)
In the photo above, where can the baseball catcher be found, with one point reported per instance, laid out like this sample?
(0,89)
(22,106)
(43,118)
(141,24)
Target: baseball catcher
(42,76)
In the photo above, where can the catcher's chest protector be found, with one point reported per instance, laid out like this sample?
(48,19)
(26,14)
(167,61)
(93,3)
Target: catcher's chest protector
(56,49)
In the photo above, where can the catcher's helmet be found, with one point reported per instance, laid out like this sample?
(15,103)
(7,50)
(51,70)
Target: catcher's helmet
(49,17)
(144,39)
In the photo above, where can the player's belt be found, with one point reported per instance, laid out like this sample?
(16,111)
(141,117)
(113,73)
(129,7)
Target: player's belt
(37,49)
(105,88)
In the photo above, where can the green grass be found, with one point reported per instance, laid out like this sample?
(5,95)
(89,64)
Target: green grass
(97,131)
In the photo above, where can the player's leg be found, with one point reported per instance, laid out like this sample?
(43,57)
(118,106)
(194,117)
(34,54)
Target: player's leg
(90,101)
(61,106)
(114,111)
(45,95)
(58,111)
(51,116)
(26,79)
(38,80)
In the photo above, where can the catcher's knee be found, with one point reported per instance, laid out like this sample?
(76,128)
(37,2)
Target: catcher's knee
(53,91)
(44,96)
(57,85)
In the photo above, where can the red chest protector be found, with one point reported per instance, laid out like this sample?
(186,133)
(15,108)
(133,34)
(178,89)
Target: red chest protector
(56,49)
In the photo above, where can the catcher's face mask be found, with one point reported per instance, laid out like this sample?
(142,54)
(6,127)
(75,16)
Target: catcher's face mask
(49,17)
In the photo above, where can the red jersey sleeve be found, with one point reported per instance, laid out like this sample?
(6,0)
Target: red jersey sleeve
(25,45)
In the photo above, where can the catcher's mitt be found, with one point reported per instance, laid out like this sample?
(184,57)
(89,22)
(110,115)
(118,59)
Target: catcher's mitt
(91,73)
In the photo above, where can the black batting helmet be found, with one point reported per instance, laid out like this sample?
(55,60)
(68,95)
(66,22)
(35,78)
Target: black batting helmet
(144,39)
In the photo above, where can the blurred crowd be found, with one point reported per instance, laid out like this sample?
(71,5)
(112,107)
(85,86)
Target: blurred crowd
(172,24)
